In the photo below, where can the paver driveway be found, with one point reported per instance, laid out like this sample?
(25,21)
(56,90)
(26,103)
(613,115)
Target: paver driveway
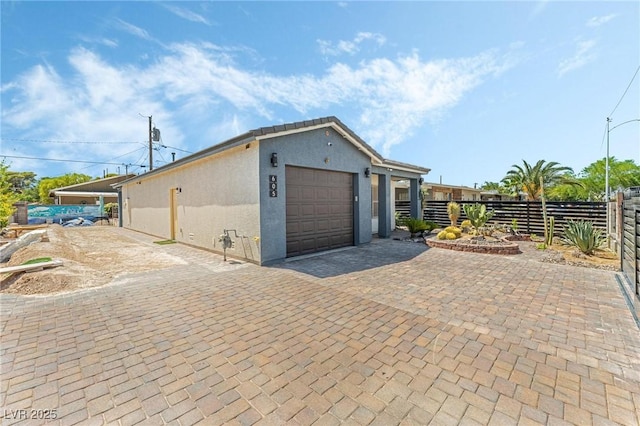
(389,333)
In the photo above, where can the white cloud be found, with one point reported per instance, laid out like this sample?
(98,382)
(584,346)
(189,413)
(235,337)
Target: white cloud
(103,41)
(583,56)
(539,8)
(350,47)
(132,29)
(597,21)
(197,93)
(187,14)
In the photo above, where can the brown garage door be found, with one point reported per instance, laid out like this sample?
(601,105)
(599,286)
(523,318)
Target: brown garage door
(319,210)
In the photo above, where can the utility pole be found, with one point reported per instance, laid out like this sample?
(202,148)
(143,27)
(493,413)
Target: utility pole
(150,146)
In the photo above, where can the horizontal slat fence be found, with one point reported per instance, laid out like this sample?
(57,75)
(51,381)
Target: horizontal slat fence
(527,213)
(631,241)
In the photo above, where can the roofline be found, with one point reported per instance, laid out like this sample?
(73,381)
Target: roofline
(75,185)
(343,130)
(405,167)
(270,132)
(83,194)
(452,186)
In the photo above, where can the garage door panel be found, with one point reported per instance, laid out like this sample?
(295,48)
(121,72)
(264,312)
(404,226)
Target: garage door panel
(319,210)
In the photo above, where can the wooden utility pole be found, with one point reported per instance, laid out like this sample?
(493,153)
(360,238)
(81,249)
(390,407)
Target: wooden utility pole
(150,145)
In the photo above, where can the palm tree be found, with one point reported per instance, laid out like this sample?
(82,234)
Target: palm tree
(526,178)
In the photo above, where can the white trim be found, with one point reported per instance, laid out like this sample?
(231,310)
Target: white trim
(84,194)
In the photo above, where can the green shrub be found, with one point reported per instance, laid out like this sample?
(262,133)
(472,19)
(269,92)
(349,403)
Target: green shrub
(583,235)
(431,225)
(415,225)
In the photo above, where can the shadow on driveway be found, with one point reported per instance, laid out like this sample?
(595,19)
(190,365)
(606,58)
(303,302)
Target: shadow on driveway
(380,252)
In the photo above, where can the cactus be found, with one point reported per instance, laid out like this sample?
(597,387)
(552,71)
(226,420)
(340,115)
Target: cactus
(442,235)
(478,214)
(552,225)
(453,210)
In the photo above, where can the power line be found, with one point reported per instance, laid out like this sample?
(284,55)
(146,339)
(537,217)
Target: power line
(59,141)
(625,92)
(55,159)
(177,149)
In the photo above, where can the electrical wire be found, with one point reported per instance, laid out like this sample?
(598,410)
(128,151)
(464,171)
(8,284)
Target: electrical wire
(68,142)
(56,159)
(625,92)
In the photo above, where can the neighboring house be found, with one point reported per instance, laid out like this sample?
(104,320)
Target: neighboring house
(495,195)
(278,192)
(440,192)
(91,192)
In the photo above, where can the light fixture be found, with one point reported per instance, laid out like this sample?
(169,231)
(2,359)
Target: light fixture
(274,159)
(367,172)
(420,181)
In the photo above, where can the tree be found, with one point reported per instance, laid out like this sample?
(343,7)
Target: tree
(526,178)
(622,174)
(7,196)
(492,186)
(23,185)
(47,184)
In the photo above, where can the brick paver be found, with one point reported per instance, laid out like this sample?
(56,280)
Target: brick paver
(387,333)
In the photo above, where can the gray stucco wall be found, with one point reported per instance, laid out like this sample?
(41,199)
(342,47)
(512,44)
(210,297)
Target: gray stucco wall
(216,193)
(323,149)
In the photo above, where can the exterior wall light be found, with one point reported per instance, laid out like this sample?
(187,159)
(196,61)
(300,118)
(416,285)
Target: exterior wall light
(421,181)
(274,159)
(367,172)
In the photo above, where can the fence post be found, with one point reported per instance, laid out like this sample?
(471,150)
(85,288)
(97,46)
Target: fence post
(528,219)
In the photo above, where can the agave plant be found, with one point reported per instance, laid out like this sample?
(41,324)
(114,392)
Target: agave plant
(583,235)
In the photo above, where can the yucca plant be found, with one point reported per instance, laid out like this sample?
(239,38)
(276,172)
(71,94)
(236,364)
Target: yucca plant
(583,235)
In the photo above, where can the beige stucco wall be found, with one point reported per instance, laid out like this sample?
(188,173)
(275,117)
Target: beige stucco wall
(216,193)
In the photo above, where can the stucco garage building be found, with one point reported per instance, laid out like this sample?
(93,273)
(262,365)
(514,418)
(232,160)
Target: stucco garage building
(278,191)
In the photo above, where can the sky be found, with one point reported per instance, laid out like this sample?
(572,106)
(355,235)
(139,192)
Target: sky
(467,89)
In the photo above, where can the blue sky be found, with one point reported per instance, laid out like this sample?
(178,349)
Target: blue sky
(464,88)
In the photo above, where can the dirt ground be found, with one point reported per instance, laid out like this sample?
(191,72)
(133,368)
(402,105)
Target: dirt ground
(93,256)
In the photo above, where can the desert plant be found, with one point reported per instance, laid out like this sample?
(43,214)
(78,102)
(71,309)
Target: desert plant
(453,210)
(478,214)
(466,225)
(453,230)
(583,235)
(431,225)
(448,235)
(415,226)
(514,225)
